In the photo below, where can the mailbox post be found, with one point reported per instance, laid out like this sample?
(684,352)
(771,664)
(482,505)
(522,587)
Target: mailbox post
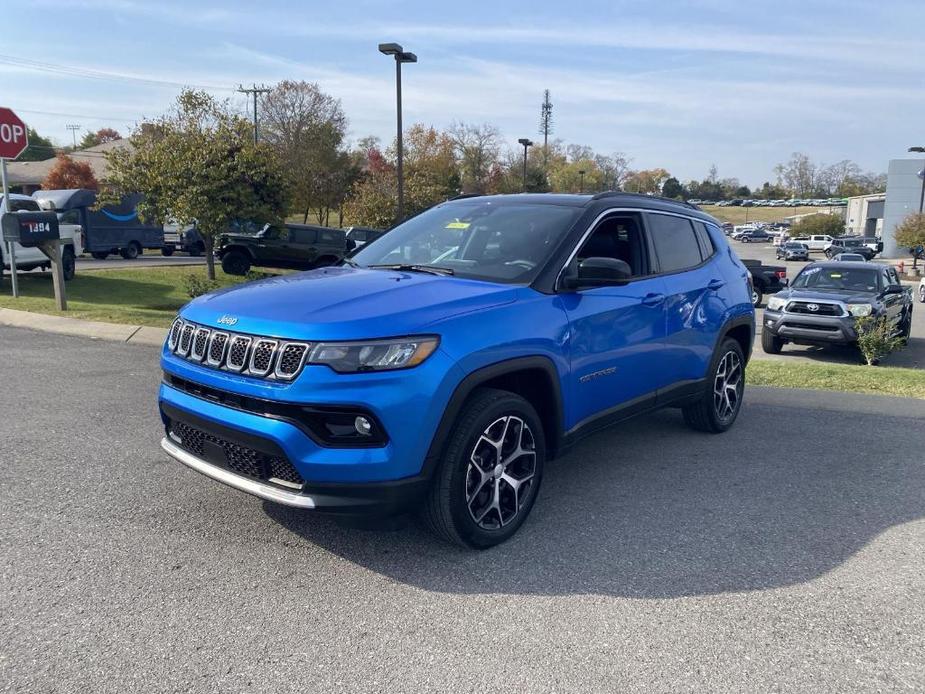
(38,230)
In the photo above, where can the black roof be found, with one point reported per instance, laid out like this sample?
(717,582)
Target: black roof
(601,200)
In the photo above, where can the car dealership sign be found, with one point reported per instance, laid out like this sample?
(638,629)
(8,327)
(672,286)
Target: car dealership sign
(13,136)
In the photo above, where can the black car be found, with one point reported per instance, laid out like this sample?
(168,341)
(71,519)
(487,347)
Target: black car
(291,246)
(357,237)
(849,245)
(792,250)
(822,303)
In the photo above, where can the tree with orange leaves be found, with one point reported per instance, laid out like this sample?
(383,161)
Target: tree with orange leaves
(68,173)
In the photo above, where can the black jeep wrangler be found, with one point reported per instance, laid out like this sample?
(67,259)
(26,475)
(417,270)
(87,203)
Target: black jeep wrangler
(291,246)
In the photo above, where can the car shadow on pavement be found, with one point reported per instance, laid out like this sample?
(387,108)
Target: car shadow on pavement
(654,510)
(911,355)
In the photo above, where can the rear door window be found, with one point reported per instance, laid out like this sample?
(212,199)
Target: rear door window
(675,242)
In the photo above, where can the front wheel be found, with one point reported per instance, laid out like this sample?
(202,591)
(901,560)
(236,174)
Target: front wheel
(236,263)
(770,343)
(490,472)
(167,251)
(922,293)
(717,408)
(130,252)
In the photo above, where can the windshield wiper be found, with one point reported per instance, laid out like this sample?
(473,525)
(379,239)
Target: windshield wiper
(351,263)
(430,269)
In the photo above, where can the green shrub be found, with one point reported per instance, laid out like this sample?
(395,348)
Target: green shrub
(197,285)
(831,224)
(875,338)
(254,275)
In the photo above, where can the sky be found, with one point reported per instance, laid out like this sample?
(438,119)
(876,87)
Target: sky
(675,84)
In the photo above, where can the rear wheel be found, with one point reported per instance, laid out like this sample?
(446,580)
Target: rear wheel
(490,472)
(770,343)
(236,263)
(68,264)
(167,251)
(905,327)
(922,293)
(718,407)
(132,251)
(757,296)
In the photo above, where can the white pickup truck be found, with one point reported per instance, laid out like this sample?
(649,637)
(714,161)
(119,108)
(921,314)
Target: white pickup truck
(32,258)
(816,242)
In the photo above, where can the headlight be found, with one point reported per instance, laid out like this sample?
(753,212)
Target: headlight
(775,303)
(374,355)
(860,310)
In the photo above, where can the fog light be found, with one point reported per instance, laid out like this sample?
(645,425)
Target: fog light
(363,426)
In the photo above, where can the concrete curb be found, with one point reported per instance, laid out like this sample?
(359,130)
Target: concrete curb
(114,332)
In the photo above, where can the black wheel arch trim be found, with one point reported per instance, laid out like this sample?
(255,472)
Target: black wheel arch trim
(482,376)
(735,322)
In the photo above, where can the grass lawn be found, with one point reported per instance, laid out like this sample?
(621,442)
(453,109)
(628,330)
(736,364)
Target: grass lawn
(737,215)
(149,296)
(879,380)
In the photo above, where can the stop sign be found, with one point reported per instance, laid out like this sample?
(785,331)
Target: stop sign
(13,137)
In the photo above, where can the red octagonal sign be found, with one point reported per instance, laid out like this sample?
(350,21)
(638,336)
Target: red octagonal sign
(13,136)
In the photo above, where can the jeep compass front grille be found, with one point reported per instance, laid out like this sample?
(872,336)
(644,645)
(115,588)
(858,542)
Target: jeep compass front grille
(244,354)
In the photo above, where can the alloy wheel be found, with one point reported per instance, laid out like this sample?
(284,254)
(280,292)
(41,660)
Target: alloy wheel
(500,474)
(727,387)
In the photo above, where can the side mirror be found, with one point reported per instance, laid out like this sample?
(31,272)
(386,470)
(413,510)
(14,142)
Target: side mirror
(785,281)
(894,289)
(599,272)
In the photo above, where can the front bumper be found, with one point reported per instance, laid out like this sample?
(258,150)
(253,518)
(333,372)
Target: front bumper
(803,328)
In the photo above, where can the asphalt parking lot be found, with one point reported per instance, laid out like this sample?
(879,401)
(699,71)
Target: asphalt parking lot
(785,555)
(143,261)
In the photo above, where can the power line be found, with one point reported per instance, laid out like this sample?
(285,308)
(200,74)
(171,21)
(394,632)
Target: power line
(255,90)
(88,73)
(73,127)
(76,115)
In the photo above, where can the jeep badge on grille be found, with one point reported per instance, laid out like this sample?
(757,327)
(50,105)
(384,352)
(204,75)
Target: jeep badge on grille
(227,320)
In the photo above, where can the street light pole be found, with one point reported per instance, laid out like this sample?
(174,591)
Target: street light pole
(401,56)
(526,143)
(581,181)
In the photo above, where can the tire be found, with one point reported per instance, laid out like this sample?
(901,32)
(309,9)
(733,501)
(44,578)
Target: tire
(905,329)
(167,251)
(922,293)
(130,252)
(196,250)
(68,264)
(757,296)
(744,240)
(771,344)
(100,255)
(236,263)
(715,412)
(472,501)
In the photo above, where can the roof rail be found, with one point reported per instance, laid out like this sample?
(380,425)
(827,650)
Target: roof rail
(463,196)
(618,193)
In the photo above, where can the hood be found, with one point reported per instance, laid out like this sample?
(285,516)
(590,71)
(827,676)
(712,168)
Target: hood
(342,303)
(848,297)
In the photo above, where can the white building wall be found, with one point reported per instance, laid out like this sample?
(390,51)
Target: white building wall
(857,212)
(903,193)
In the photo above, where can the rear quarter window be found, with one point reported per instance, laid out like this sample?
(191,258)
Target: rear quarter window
(675,241)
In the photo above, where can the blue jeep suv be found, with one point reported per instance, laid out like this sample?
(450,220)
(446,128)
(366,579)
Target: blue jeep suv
(441,367)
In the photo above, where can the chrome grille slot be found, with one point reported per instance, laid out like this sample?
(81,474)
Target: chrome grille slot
(186,339)
(174,334)
(290,359)
(262,357)
(237,353)
(200,344)
(217,344)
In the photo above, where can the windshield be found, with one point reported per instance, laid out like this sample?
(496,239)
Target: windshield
(795,246)
(481,240)
(838,279)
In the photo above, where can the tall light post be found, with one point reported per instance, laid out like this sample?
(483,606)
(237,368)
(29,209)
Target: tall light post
(526,143)
(581,181)
(401,56)
(921,175)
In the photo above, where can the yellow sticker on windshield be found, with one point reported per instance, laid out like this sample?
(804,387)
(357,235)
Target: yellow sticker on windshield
(835,275)
(458,225)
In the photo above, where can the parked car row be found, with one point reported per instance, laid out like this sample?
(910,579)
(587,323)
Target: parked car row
(792,202)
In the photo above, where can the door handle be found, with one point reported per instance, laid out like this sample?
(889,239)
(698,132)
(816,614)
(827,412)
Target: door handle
(716,284)
(653,299)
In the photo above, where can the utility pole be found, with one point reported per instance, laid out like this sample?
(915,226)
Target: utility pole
(255,90)
(546,125)
(73,127)
(401,56)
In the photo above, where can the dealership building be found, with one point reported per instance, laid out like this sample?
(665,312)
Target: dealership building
(904,192)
